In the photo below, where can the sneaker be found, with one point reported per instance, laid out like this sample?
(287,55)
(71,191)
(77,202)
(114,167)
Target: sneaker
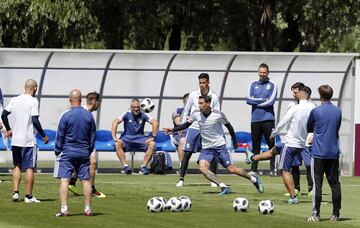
(249,154)
(297,192)
(15,197)
(61,214)
(225,191)
(293,200)
(74,190)
(213,185)
(258,184)
(143,171)
(334,218)
(313,218)
(88,213)
(180,183)
(98,194)
(31,200)
(127,170)
(273,173)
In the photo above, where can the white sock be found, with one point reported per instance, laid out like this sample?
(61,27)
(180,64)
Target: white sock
(253,179)
(87,208)
(222,185)
(64,208)
(125,165)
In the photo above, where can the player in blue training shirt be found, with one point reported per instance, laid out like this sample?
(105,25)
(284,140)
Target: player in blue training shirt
(261,96)
(324,121)
(75,141)
(133,138)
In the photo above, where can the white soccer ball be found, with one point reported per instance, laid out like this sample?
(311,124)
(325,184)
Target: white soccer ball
(240,204)
(266,207)
(147,105)
(155,205)
(174,204)
(186,203)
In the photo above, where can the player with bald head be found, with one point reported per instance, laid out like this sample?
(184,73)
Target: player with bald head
(25,115)
(75,140)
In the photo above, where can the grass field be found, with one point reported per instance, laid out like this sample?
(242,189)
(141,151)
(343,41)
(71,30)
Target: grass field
(125,204)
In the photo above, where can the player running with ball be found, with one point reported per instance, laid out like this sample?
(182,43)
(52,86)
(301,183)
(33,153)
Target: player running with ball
(214,145)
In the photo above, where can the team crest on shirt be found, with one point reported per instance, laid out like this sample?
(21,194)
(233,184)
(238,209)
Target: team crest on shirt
(268,86)
(256,87)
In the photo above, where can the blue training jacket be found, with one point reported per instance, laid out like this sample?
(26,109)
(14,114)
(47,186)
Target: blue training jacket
(325,121)
(262,96)
(76,132)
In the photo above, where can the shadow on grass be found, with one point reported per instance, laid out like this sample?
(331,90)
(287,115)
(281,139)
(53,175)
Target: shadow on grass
(47,200)
(82,214)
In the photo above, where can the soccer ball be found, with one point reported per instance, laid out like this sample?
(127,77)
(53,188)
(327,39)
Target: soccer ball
(174,204)
(266,207)
(240,204)
(147,105)
(155,205)
(186,203)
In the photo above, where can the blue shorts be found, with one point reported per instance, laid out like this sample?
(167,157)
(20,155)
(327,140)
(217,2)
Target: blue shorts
(68,163)
(177,137)
(305,156)
(24,157)
(287,155)
(220,153)
(192,141)
(135,143)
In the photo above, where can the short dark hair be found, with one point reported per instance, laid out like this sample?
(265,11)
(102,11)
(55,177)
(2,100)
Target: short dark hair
(307,90)
(185,96)
(93,95)
(297,85)
(206,98)
(204,76)
(326,92)
(264,65)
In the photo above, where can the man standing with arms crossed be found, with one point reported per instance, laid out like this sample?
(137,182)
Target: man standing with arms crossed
(193,139)
(75,140)
(324,121)
(262,96)
(25,111)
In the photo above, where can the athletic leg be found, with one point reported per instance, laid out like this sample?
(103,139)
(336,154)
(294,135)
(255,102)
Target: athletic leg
(256,135)
(332,175)
(318,175)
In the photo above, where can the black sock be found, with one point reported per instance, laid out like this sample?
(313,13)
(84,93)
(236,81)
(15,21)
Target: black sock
(29,196)
(213,166)
(185,164)
(93,188)
(295,171)
(73,181)
(309,179)
(15,192)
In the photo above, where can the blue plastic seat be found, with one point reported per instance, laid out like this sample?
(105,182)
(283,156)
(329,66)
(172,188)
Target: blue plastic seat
(104,141)
(243,140)
(163,142)
(2,145)
(51,134)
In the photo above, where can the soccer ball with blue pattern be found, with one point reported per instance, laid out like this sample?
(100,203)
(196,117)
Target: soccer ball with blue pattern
(156,204)
(186,203)
(240,204)
(174,204)
(266,207)
(147,105)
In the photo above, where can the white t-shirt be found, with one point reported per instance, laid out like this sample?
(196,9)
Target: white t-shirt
(295,121)
(193,104)
(211,128)
(22,108)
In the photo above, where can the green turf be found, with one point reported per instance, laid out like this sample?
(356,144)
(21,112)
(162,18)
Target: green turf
(125,205)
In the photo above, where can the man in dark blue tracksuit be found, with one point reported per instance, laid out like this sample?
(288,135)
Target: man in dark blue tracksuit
(325,122)
(75,140)
(261,96)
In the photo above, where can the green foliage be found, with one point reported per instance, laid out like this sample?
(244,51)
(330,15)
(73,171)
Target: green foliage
(38,23)
(232,25)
